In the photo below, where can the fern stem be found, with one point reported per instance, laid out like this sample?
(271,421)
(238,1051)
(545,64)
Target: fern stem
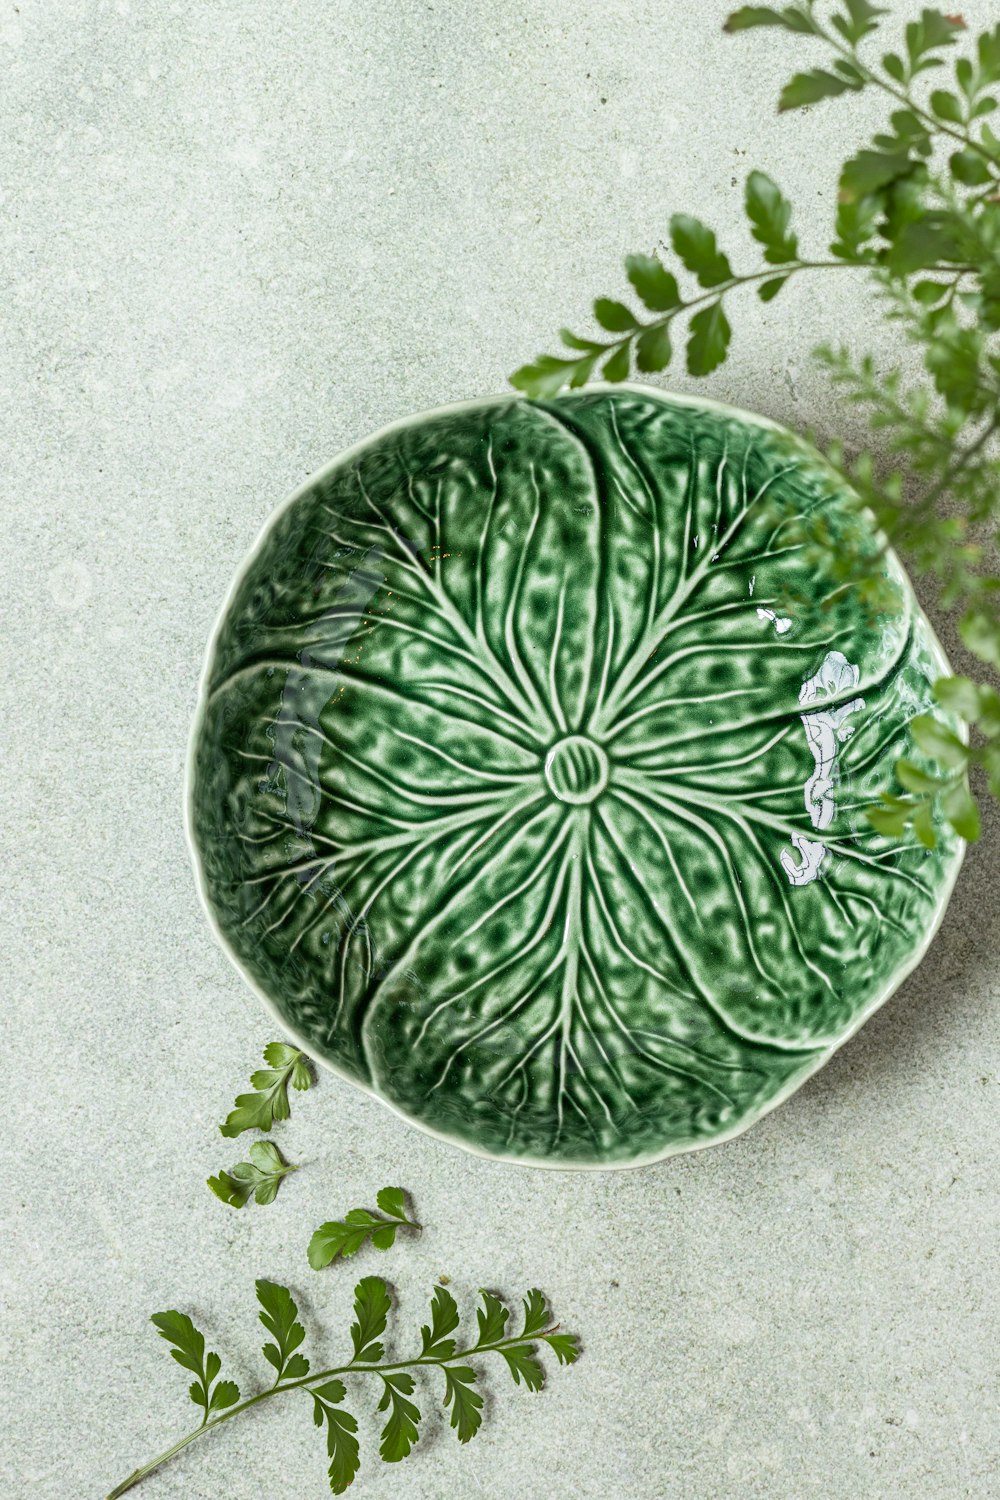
(904,96)
(317,1378)
(770,273)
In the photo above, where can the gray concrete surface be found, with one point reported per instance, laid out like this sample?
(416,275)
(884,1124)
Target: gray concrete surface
(236,238)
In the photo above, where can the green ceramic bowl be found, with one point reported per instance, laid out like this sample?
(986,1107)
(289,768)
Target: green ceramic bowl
(527,785)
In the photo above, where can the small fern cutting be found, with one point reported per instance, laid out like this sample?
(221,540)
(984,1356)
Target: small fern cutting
(918,212)
(258,1111)
(346,1236)
(259,1178)
(219,1401)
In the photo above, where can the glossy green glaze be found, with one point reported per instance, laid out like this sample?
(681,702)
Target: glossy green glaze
(528,779)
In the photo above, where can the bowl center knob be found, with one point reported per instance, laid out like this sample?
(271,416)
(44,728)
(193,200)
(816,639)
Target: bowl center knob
(576,770)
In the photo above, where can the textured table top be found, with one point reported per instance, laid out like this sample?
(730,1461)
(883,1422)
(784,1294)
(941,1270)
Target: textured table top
(236,240)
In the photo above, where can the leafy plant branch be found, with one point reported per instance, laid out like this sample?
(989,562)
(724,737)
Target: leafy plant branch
(948,115)
(219,1401)
(918,213)
(649,340)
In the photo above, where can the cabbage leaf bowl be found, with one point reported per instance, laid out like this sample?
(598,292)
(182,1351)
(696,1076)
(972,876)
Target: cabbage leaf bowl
(528,780)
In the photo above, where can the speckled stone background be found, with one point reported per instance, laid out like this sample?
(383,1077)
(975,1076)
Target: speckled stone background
(236,238)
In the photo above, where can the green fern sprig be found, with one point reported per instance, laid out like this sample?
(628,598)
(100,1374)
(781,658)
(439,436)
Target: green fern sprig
(441,1352)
